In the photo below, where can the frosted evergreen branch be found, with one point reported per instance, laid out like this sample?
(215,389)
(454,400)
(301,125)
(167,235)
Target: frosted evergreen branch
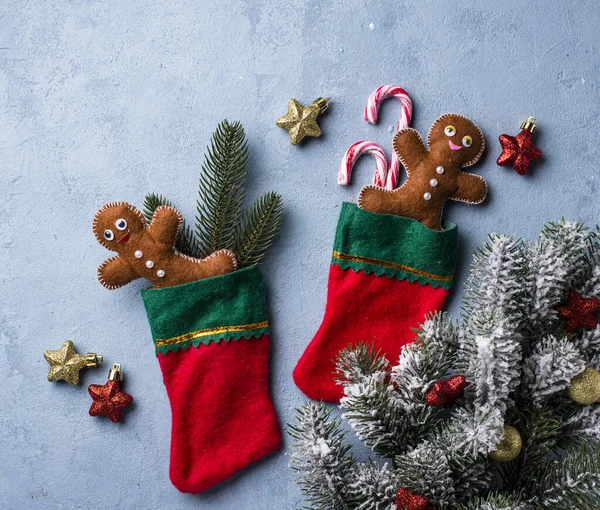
(548,371)
(490,357)
(372,404)
(558,261)
(473,430)
(591,286)
(321,458)
(448,466)
(440,337)
(373,487)
(426,470)
(572,482)
(581,424)
(186,242)
(259,229)
(495,501)
(355,363)
(589,344)
(221,188)
(540,431)
(494,283)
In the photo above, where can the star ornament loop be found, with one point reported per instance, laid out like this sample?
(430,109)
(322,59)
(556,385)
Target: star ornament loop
(65,363)
(301,121)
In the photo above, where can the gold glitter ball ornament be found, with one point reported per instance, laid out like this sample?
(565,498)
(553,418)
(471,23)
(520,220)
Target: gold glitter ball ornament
(510,447)
(585,387)
(301,121)
(65,363)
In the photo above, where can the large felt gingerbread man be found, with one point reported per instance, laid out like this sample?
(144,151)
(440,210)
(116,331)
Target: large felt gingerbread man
(433,175)
(149,251)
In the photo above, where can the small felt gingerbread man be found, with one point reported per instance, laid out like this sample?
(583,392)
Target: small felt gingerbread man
(149,252)
(433,175)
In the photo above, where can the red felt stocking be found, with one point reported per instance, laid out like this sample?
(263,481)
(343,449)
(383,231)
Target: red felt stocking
(387,274)
(212,344)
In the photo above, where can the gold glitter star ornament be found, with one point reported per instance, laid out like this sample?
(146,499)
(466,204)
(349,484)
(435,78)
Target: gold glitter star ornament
(65,363)
(301,121)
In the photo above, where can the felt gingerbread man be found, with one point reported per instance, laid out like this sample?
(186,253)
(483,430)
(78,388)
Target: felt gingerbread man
(149,251)
(433,174)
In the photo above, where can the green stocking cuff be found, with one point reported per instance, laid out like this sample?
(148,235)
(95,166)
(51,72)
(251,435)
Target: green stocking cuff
(395,246)
(226,307)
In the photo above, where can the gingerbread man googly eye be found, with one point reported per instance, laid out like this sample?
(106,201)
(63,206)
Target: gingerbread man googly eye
(467,141)
(109,235)
(450,130)
(121,224)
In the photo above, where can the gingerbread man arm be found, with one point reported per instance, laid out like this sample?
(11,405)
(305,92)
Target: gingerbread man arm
(471,188)
(115,272)
(409,147)
(165,225)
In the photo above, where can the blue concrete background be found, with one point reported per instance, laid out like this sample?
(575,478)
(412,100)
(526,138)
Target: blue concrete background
(104,101)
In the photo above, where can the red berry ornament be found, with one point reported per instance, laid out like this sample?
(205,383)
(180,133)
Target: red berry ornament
(579,312)
(406,500)
(518,151)
(108,399)
(445,393)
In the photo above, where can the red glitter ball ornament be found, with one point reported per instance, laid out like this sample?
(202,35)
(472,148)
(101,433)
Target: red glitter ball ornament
(579,312)
(446,392)
(518,151)
(108,399)
(406,500)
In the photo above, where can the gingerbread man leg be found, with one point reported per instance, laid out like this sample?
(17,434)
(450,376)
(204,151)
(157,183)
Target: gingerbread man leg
(187,269)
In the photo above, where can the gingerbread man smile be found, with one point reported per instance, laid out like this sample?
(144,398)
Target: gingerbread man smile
(125,238)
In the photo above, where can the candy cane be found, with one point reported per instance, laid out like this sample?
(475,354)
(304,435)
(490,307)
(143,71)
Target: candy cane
(355,151)
(371,111)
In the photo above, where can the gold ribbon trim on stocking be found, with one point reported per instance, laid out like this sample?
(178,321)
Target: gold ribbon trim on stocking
(160,342)
(391,265)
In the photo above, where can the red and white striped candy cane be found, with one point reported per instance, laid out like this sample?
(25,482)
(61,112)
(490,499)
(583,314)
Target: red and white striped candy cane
(355,151)
(371,111)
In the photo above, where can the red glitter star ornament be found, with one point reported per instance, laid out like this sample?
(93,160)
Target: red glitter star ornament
(406,500)
(518,151)
(579,312)
(446,392)
(108,399)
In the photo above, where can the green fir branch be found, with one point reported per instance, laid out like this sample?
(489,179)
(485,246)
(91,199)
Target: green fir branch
(321,458)
(221,188)
(186,242)
(540,431)
(569,483)
(354,363)
(260,227)
(495,501)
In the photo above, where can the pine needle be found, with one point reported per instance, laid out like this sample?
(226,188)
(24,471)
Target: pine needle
(221,189)
(260,226)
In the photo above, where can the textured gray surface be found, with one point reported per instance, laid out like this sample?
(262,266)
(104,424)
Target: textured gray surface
(108,100)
